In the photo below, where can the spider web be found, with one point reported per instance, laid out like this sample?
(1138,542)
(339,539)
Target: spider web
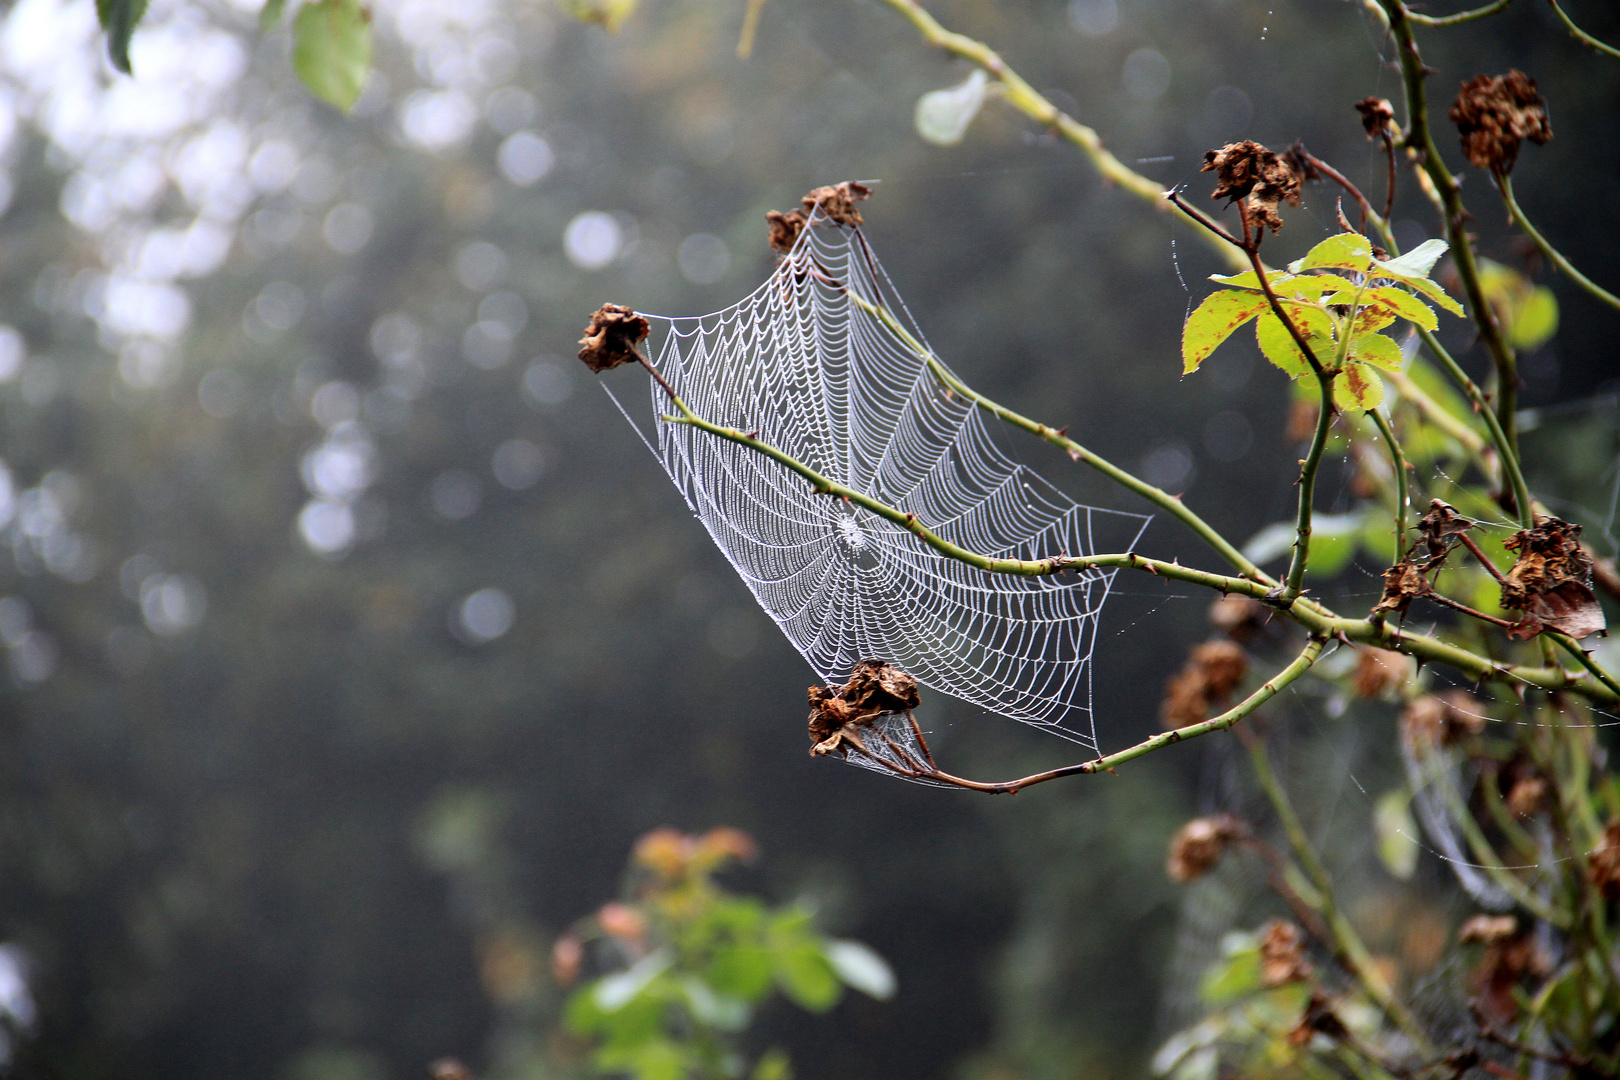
(827,382)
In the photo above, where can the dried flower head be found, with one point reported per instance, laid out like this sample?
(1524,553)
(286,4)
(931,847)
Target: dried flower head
(1377,114)
(1199,845)
(1213,671)
(1439,529)
(838,201)
(1239,617)
(785,228)
(1551,581)
(875,689)
(1282,954)
(1603,865)
(1247,170)
(1379,671)
(612,337)
(1495,114)
(1403,583)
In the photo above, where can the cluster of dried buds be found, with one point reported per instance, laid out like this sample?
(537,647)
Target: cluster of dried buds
(837,714)
(836,203)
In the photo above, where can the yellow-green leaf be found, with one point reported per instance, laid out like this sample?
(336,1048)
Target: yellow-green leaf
(608,14)
(1377,350)
(1417,263)
(1535,319)
(1404,305)
(332,49)
(1433,292)
(1277,344)
(1346,251)
(1357,388)
(1213,321)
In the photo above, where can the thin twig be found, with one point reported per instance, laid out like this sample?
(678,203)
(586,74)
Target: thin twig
(1301,664)
(1504,184)
(1455,605)
(745,43)
(1398,462)
(1461,16)
(1468,542)
(1420,137)
(1581,35)
(1023,97)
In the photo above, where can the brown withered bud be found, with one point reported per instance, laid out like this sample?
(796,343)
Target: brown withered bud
(1603,865)
(1431,722)
(612,337)
(1247,170)
(1495,114)
(1199,845)
(1376,116)
(1303,162)
(1224,666)
(837,202)
(1527,796)
(785,228)
(1439,529)
(1282,954)
(875,689)
(1186,698)
(1239,617)
(1551,581)
(1378,671)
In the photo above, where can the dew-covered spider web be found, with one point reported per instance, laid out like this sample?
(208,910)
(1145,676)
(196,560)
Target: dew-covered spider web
(801,363)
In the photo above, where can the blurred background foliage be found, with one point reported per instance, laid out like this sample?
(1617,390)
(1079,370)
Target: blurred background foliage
(352,638)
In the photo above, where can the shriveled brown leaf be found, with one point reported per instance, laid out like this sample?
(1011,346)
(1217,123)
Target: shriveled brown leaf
(1527,796)
(1494,114)
(1378,671)
(1318,1019)
(1403,583)
(612,337)
(837,202)
(785,228)
(1376,116)
(1551,581)
(1199,845)
(1510,958)
(1439,529)
(1282,954)
(1247,170)
(1603,865)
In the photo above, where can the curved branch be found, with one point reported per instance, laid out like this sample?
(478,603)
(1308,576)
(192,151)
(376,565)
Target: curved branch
(1581,35)
(1268,690)
(1504,184)
(1461,16)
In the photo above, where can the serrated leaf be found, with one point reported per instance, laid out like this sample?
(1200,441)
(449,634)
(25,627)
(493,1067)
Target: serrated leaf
(1535,320)
(1377,350)
(1278,346)
(1417,263)
(1213,321)
(119,18)
(1404,305)
(1357,387)
(270,15)
(332,49)
(943,116)
(1397,833)
(1346,251)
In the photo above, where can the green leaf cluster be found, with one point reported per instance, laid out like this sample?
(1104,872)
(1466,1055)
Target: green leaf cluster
(1341,299)
(699,963)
